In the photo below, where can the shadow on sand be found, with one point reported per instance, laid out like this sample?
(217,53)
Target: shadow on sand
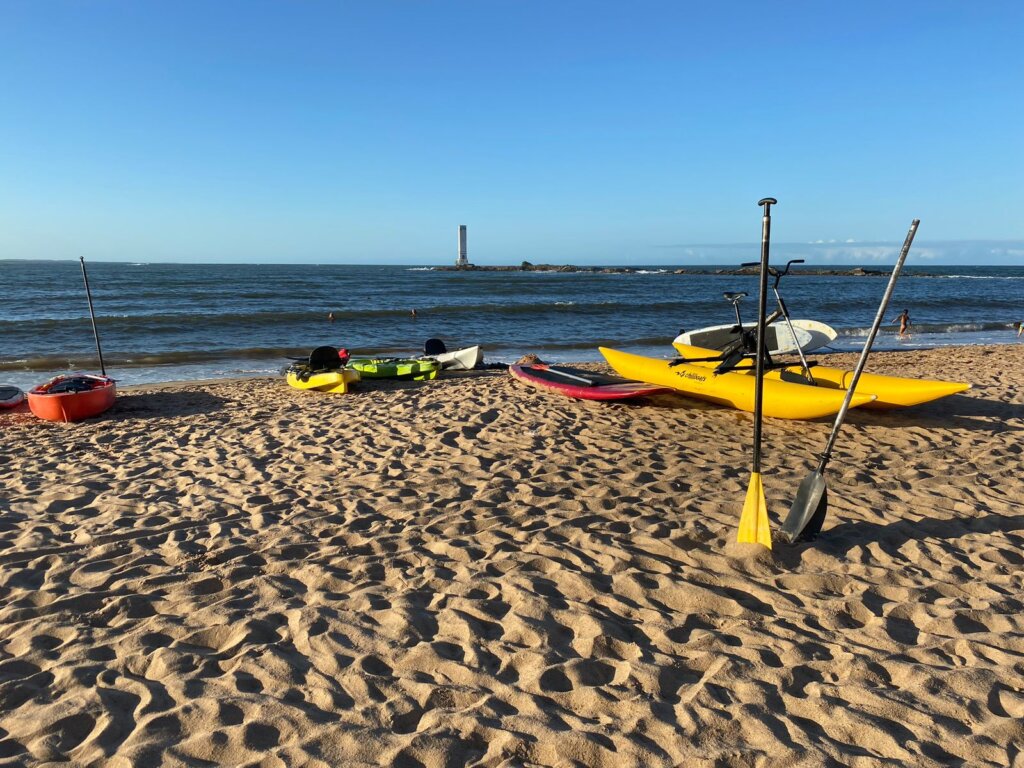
(161,404)
(956,412)
(839,539)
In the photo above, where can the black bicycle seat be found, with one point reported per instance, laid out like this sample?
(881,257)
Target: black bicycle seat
(734,297)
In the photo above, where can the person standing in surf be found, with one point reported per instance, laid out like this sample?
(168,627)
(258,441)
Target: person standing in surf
(904,321)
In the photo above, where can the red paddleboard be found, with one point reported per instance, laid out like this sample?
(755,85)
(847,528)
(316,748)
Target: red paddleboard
(585,385)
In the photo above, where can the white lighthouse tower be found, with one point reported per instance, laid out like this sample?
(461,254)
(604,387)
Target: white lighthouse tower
(463,258)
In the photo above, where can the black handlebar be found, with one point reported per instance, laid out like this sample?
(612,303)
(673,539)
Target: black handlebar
(778,275)
(773,271)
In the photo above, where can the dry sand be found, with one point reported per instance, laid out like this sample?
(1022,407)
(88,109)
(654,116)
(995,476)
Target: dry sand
(470,572)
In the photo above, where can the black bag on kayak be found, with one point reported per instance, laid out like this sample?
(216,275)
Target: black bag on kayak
(324,359)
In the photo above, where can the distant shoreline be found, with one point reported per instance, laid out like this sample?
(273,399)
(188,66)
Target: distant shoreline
(570,268)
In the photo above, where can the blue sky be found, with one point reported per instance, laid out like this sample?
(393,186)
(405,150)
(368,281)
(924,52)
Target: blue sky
(583,132)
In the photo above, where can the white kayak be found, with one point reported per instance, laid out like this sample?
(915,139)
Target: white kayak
(461,359)
(778,338)
(10,396)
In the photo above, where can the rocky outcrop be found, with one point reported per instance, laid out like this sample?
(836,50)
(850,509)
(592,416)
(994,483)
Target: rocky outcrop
(528,267)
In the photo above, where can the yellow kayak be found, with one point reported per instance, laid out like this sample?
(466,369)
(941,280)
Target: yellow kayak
(336,381)
(889,391)
(782,399)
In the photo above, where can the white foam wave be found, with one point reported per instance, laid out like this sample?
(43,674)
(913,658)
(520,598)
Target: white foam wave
(980,277)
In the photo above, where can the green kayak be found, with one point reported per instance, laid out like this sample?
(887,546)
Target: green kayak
(395,368)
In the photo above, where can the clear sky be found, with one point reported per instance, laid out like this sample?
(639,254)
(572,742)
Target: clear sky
(614,132)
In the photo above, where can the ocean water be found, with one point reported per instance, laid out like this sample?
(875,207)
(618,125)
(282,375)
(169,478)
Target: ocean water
(170,322)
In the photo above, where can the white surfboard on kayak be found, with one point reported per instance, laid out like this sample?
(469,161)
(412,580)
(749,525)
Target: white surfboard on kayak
(821,335)
(778,338)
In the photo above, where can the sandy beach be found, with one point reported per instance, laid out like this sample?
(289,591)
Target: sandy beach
(471,572)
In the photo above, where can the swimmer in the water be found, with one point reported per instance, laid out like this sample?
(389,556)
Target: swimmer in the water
(904,321)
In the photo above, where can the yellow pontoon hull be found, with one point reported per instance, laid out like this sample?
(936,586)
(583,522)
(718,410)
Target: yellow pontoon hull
(782,399)
(889,391)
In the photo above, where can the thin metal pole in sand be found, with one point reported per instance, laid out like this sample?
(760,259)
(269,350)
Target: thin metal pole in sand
(92,316)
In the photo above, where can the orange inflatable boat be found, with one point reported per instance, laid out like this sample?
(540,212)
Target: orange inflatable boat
(72,397)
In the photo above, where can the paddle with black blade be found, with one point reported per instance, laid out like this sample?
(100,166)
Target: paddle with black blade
(810,506)
(92,316)
(754,520)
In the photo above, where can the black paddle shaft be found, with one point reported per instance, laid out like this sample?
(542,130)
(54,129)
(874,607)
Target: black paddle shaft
(807,514)
(92,316)
(851,387)
(762,299)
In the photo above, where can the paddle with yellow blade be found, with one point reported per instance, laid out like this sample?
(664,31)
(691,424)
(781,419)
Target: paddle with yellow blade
(811,503)
(754,520)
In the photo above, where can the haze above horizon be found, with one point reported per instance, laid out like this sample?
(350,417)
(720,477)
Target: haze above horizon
(562,133)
